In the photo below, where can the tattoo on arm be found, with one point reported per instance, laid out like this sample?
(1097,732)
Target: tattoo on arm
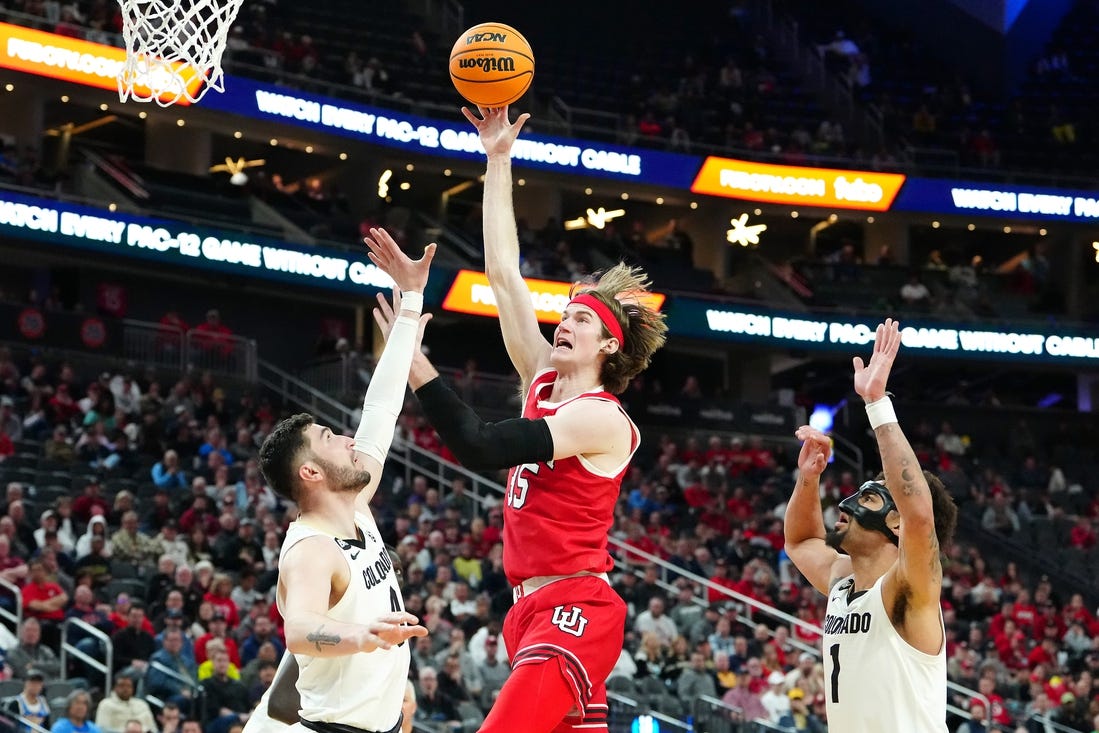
(318,638)
(902,454)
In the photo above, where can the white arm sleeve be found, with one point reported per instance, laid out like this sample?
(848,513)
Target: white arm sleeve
(385,395)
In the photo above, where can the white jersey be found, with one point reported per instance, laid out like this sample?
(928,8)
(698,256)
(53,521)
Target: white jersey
(873,679)
(363,690)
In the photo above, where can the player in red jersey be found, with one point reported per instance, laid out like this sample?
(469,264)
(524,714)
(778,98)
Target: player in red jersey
(567,454)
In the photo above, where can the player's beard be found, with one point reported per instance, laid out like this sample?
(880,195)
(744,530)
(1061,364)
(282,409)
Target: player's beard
(834,538)
(343,478)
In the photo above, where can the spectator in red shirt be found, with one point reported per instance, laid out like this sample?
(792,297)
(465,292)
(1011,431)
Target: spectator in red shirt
(696,496)
(1075,611)
(218,628)
(218,596)
(44,600)
(199,514)
(739,460)
(1044,653)
(987,687)
(84,504)
(720,578)
(740,508)
(7,448)
(716,456)
(1026,615)
(639,540)
(120,616)
(213,335)
(1082,535)
(63,407)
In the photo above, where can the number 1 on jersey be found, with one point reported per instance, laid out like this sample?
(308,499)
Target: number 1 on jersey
(834,652)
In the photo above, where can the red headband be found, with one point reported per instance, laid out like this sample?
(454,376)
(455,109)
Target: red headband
(605,314)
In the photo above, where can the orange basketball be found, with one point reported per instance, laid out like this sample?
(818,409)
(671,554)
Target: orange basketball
(491,65)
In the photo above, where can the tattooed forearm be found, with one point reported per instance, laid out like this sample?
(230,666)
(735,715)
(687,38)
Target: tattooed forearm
(318,638)
(896,452)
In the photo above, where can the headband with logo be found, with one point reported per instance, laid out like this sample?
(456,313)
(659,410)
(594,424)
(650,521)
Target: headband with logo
(604,312)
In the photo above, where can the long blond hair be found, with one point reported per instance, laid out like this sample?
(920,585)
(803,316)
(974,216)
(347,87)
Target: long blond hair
(623,289)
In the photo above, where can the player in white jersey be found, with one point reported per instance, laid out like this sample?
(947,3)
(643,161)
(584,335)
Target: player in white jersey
(345,622)
(884,640)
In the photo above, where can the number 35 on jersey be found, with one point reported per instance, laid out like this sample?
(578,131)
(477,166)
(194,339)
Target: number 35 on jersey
(520,482)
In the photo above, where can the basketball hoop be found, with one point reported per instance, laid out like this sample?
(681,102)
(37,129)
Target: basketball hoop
(174,48)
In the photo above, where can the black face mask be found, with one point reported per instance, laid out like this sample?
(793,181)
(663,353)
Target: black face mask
(868,518)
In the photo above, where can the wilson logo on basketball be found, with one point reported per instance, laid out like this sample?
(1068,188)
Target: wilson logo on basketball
(488,65)
(480,37)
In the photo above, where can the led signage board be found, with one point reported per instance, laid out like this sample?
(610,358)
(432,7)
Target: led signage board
(471,293)
(797,185)
(68,59)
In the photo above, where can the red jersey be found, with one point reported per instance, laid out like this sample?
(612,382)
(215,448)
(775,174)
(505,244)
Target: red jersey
(557,514)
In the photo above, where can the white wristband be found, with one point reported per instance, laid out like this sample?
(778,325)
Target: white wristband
(880,412)
(412,301)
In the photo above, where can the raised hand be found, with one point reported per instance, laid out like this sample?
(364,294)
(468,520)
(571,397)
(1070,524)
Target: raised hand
(496,132)
(816,448)
(385,314)
(870,380)
(409,275)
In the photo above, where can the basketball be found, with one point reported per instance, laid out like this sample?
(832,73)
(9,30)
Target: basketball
(491,65)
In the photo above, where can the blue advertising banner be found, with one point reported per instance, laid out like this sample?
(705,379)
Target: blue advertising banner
(827,332)
(1003,201)
(178,244)
(455,139)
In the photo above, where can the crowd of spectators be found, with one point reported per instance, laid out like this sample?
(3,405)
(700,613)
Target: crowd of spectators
(166,476)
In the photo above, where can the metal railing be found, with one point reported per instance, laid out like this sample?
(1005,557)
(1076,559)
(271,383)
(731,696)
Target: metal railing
(333,376)
(328,409)
(222,352)
(161,345)
(154,344)
(847,452)
(106,666)
(14,617)
(198,692)
(623,710)
(29,725)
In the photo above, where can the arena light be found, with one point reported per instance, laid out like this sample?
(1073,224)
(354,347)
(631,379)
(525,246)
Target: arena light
(383,183)
(235,169)
(1095,246)
(599,219)
(823,418)
(743,234)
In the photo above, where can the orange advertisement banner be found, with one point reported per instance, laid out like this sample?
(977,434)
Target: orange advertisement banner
(69,59)
(471,293)
(796,185)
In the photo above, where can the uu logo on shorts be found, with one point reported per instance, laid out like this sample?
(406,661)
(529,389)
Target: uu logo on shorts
(571,622)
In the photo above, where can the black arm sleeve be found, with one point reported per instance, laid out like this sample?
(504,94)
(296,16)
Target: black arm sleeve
(480,445)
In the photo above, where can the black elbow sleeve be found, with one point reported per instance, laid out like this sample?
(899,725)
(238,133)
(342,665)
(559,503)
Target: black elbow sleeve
(481,445)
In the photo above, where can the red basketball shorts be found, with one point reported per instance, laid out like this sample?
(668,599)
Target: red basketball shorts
(577,622)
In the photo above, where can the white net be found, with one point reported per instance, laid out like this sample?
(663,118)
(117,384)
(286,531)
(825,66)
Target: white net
(174,48)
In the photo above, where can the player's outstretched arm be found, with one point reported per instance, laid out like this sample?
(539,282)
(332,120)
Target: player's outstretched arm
(479,445)
(919,570)
(385,395)
(804,521)
(305,579)
(528,349)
